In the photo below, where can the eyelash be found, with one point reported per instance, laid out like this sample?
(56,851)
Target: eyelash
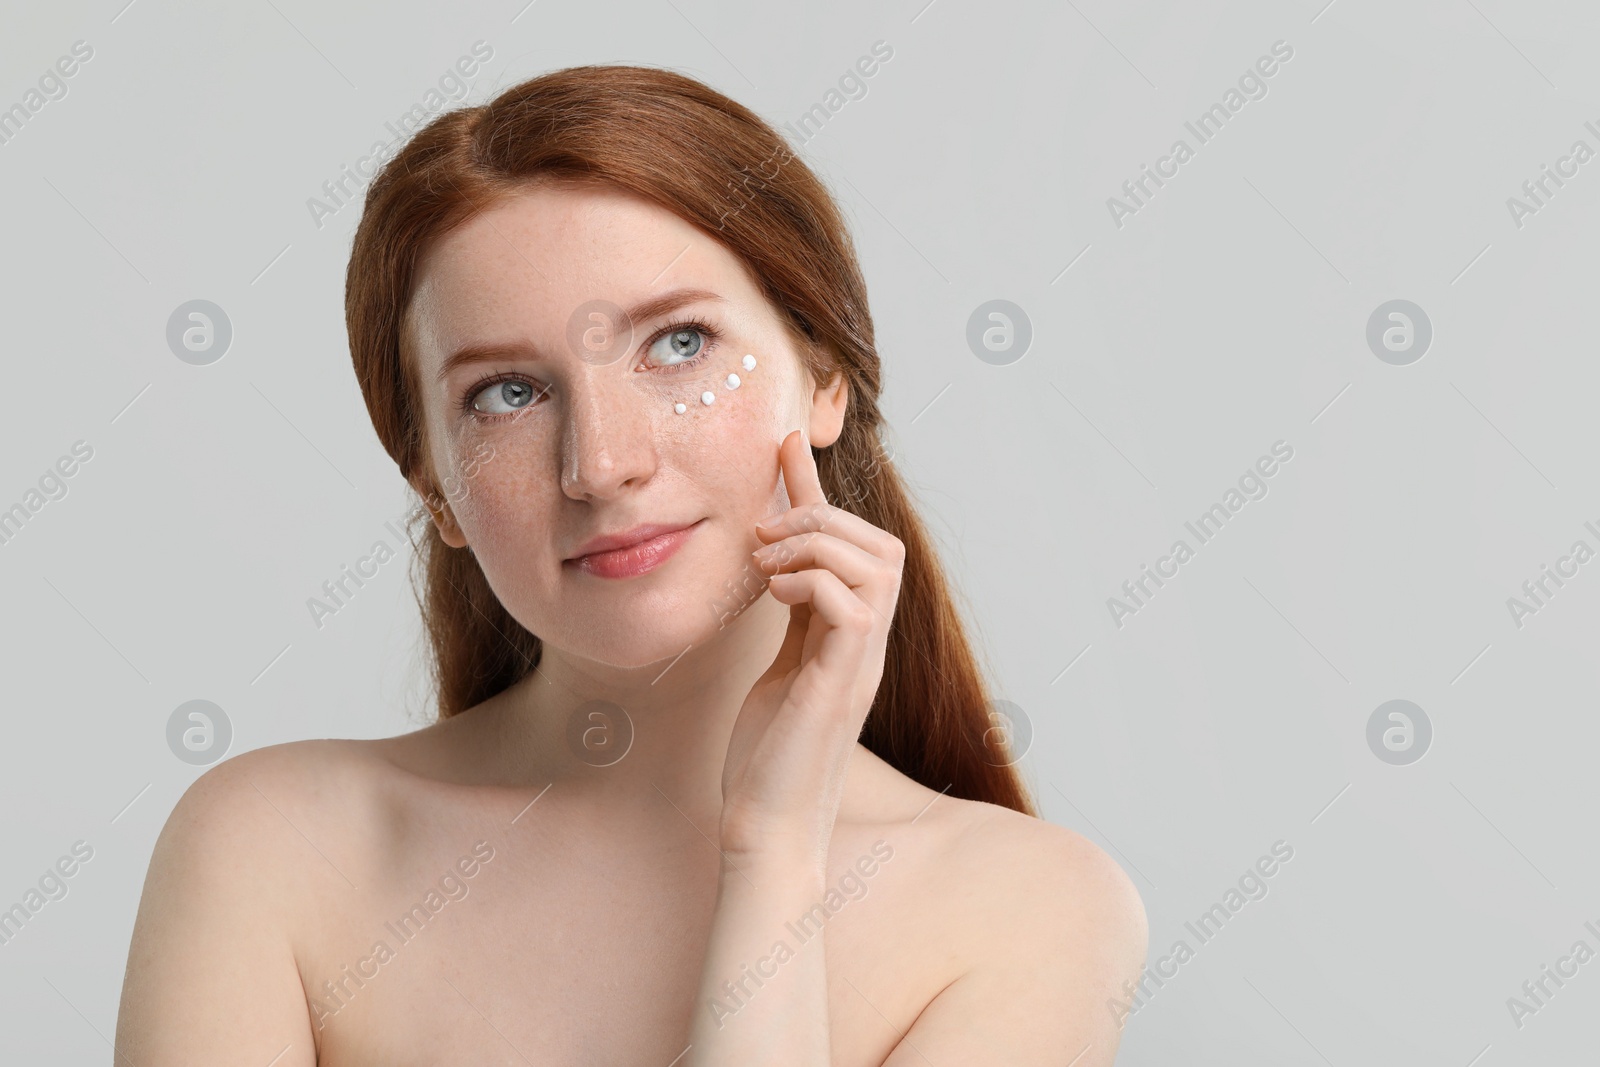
(711,338)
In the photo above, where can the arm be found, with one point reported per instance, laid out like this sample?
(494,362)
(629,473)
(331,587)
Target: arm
(211,978)
(763,990)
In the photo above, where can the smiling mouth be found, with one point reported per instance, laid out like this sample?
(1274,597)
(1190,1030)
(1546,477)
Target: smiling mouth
(634,559)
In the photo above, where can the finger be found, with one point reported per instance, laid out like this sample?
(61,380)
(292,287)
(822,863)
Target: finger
(845,525)
(854,565)
(875,580)
(849,619)
(833,681)
(799,468)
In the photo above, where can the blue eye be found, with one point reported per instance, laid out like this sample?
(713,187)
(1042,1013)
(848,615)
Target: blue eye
(677,347)
(513,392)
(680,345)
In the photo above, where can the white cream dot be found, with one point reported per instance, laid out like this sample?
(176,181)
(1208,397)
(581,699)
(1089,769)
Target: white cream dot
(679,408)
(748,362)
(707,397)
(733,381)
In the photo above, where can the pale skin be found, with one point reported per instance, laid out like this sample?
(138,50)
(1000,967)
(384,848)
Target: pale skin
(617,900)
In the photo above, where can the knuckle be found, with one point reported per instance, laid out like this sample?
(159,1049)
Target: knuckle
(861,617)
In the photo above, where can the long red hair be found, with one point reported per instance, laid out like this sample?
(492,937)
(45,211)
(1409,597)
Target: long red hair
(709,160)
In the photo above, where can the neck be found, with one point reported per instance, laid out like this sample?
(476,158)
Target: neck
(561,724)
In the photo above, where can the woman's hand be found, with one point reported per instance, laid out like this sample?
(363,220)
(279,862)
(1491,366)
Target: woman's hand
(784,776)
(790,747)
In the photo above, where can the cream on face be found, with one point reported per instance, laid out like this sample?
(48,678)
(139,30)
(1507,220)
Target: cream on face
(731,381)
(581,448)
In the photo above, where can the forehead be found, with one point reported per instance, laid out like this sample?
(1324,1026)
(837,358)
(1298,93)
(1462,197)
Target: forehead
(533,258)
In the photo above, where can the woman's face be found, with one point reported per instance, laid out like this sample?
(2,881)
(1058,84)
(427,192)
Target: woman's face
(566,427)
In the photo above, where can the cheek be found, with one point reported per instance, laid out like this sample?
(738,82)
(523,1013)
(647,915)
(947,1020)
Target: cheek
(461,456)
(506,500)
(733,383)
(728,448)
(508,519)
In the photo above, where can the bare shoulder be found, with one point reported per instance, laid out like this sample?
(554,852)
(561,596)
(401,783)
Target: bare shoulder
(1035,884)
(1061,883)
(1041,928)
(212,970)
(282,762)
(233,800)
(1049,877)
(268,818)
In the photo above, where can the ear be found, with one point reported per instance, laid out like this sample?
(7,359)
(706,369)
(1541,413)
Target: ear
(828,403)
(443,517)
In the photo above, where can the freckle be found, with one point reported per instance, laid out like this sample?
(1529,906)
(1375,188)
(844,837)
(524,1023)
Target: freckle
(748,362)
(679,408)
(707,397)
(733,381)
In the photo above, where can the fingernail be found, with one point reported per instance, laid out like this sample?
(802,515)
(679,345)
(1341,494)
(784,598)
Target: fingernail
(770,521)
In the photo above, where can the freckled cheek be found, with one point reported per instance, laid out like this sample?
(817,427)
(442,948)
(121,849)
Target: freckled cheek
(461,455)
(507,523)
(729,448)
(510,501)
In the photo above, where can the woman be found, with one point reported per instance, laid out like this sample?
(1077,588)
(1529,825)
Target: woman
(703,789)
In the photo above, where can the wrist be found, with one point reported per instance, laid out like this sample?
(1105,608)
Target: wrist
(770,842)
(793,863)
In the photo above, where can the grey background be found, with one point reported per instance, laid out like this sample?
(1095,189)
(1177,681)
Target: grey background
(1230,312)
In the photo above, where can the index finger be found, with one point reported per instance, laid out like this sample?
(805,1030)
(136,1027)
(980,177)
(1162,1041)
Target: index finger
(799,466)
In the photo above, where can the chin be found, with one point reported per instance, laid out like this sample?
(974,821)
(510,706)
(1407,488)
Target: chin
(632,626)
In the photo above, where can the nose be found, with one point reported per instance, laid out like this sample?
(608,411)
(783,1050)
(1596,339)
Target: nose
(608,443)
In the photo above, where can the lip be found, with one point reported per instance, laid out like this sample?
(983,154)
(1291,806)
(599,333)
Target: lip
(632,552)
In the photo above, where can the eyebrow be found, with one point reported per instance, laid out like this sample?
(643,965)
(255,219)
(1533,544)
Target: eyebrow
(644,311)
